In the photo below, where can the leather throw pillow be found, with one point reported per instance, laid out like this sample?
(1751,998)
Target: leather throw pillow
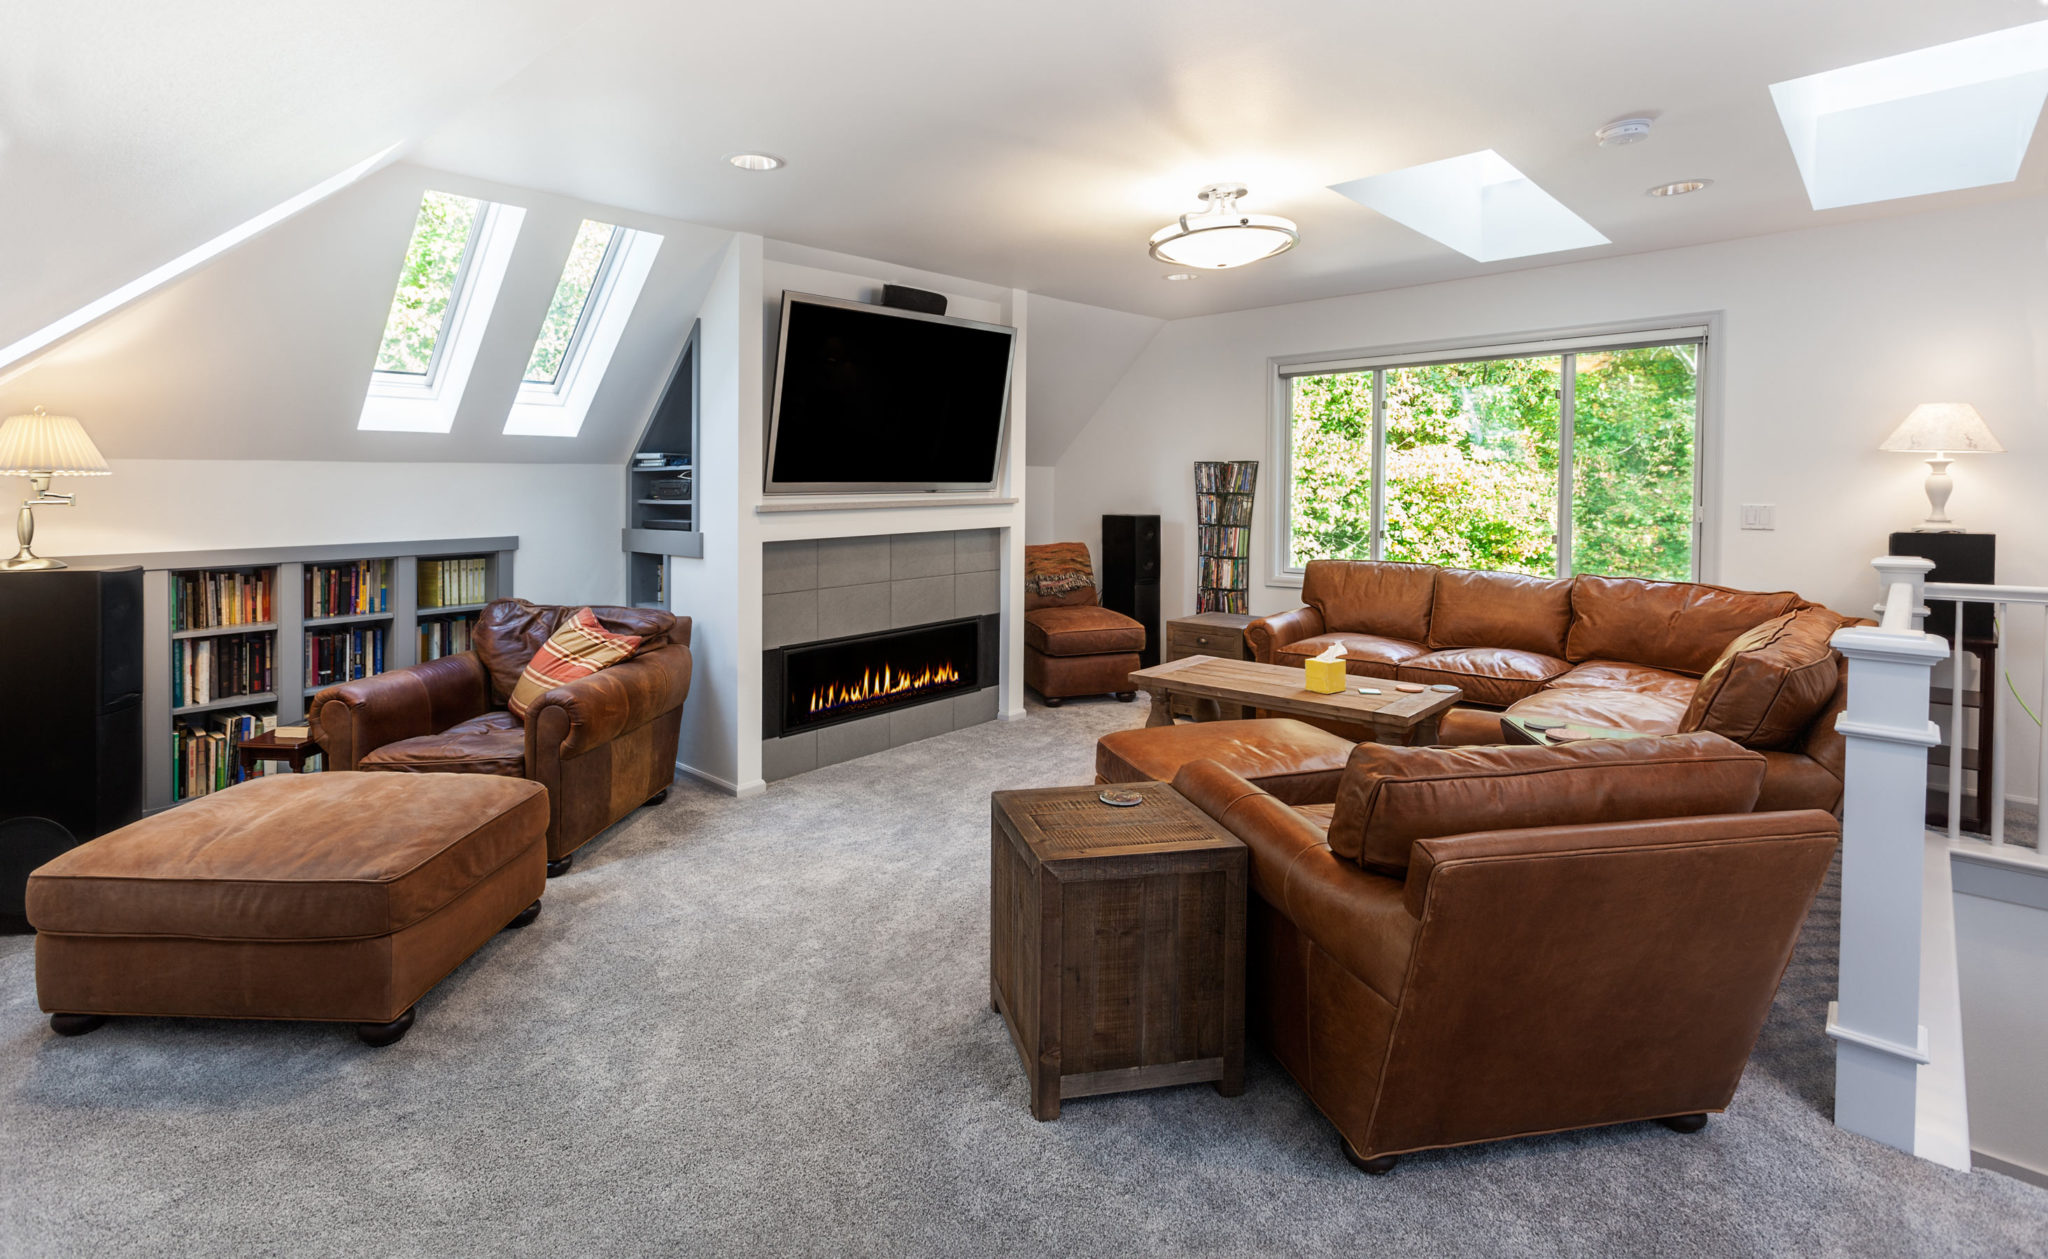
(579,647)
(1771,682)
(1058,573)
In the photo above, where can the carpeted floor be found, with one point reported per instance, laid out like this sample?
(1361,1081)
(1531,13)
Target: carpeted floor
(761,1027)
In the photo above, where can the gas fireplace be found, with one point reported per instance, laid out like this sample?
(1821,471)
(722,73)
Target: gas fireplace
(809,685)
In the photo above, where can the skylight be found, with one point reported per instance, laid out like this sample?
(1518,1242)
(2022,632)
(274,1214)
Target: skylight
(589,258)
(1957,115)
(423,302)
(1478,204)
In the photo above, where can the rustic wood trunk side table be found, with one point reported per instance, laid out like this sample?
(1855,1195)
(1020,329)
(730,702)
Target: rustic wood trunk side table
(1116,948)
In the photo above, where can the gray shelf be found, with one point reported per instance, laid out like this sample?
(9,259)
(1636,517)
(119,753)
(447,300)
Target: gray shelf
(360,618)
(219,631)
(311,691)
(451,609)
(237,701)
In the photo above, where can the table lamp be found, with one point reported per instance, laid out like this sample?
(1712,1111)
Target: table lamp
(40,446)
(1938,430)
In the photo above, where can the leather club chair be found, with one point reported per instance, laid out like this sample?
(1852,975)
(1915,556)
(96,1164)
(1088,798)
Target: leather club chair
(1072,644)
(603,745)
(1472,944)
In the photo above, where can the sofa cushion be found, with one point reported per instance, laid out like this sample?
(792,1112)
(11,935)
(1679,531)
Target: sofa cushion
(1474,608)
(1676,625)
(1645,712)
(1770,682)
(1488,675)
(509,631)
(1463,725)
(1392,796)
(1058,574)
(1293,760)
(293,857)
(1371,596)
(1619,675)
(1081,630)
(494,743)
(1367,655)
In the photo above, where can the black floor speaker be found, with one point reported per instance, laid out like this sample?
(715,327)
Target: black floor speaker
(1130,575)
(71,740)
(1960,557)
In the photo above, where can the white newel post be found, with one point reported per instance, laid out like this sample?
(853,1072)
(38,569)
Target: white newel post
(1879,1040)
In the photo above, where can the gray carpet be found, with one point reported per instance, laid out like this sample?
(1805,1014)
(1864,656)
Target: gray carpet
(762,1026)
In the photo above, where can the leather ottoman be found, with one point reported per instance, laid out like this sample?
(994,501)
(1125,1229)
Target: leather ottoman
(340,896)
(1292,760)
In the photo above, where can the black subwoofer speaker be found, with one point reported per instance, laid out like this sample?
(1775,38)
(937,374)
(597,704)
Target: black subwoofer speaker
(1961,557)
(1130,575)
(71,740)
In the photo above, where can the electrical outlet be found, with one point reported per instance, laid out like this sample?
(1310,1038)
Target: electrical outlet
(1760,515)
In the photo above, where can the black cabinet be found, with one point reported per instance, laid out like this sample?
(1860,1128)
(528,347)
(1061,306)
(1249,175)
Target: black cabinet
(1130,575)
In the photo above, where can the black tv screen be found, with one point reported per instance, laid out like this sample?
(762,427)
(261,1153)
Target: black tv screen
(873,399)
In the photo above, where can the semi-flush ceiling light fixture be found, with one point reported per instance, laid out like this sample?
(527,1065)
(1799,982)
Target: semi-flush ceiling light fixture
(1678,189)
(1223,236)
(757,161)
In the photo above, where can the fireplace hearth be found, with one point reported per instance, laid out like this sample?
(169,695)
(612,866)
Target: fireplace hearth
(810,685)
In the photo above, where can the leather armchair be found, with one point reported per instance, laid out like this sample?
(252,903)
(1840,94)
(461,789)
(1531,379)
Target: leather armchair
(1605,952)
(602,745)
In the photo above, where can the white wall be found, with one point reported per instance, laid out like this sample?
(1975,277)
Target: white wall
(566,516)
(1040,505)
(2002,969)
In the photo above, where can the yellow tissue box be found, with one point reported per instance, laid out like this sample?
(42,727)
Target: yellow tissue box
(1325,677)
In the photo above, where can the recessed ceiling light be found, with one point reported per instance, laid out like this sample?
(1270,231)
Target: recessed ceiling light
(1478,204)
(1680,188)
(757,161)
(1623,131)
(1189,275)
(1223,235)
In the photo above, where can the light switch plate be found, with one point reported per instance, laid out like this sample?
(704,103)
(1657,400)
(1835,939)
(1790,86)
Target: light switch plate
(1760,515)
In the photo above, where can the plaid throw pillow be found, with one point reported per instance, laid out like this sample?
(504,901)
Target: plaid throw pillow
(1056,569)
(579,647)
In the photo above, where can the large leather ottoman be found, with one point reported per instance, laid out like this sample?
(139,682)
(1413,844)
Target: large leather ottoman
(337,896)
(1294,761)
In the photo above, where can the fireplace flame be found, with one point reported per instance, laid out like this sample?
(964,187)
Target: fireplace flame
(881,683)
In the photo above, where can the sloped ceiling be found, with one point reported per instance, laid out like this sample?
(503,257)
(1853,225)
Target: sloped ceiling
(265,353)
(1077,354)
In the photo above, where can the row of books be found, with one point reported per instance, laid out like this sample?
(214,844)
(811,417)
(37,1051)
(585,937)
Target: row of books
(1223,540)
(212,599)
(343,655)
(1223,572)
(348,589)
(207,669)
(203,751)
(657,460)
(1231,510)
(1236,477)
(445,636)
(1223,601)
(446,583)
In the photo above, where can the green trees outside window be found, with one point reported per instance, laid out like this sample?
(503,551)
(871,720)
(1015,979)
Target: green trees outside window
(427,283)
(580,274)
(1475,453)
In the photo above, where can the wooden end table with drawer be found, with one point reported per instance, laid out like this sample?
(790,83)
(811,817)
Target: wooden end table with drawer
(1219,634)
(1116,942)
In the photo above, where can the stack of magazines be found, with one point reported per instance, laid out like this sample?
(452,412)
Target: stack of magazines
(659,461)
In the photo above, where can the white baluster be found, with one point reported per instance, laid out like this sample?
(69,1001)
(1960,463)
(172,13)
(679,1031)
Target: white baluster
(1956,727)
(1989,692)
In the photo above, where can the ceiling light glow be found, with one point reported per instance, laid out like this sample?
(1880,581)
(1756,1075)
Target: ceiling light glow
(1678,188)
(1957,115)
(1223,235)
(757,161)
(1478,204)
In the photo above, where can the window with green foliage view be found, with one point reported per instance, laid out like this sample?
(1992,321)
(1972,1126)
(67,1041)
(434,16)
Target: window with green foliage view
(428,284)
(581,278)
(1470,464)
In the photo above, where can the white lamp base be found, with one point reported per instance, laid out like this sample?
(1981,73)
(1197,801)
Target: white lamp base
(1938,485)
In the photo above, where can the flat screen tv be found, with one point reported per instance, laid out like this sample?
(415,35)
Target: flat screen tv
(870,399)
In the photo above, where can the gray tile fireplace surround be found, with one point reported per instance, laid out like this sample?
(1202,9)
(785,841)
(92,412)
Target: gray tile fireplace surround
(832,587)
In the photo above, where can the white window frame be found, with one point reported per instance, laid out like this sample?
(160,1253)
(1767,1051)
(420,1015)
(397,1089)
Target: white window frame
(1703,329)
(404,403)
(558,409)
(586,315)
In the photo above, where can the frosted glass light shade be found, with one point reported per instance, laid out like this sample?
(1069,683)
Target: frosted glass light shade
(1222,236)
(48,445)
(1943,428)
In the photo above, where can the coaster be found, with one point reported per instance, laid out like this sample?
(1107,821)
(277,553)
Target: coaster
(1445,686)
(1121,799)
(1542,723)
(1369,690)
(1411,688)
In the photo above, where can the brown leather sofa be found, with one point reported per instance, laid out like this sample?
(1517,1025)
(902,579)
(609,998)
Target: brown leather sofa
(1072,644)
(603,745)
(1471,944)
(1656,657)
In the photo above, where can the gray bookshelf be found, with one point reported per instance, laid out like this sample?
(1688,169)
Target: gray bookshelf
(659,527)
(288,627)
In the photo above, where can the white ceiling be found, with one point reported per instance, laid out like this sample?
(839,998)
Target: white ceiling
(1033,145)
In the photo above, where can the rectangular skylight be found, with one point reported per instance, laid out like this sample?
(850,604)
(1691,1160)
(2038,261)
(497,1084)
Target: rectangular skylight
(1478,204)
(590,257)
(594,299)
(1957,115)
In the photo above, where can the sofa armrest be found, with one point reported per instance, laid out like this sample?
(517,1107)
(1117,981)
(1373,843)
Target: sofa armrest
(1270,633)
(592,711)
(353,719)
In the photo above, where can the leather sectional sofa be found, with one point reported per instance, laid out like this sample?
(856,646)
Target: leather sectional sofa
(1618,652)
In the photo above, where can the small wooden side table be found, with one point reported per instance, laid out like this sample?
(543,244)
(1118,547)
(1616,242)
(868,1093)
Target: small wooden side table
(1116,942)
(1219,634)
(1515,730)
(268,747)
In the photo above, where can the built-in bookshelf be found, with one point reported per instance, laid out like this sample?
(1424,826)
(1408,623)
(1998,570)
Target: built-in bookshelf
(661,484)
(1223,542)
(239,641)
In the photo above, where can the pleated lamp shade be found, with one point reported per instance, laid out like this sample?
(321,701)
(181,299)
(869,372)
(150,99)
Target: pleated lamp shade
(48,445)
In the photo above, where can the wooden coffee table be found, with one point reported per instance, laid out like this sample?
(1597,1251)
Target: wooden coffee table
(1394,716)
(1116,942)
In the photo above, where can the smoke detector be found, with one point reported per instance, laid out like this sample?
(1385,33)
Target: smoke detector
(1623,131)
